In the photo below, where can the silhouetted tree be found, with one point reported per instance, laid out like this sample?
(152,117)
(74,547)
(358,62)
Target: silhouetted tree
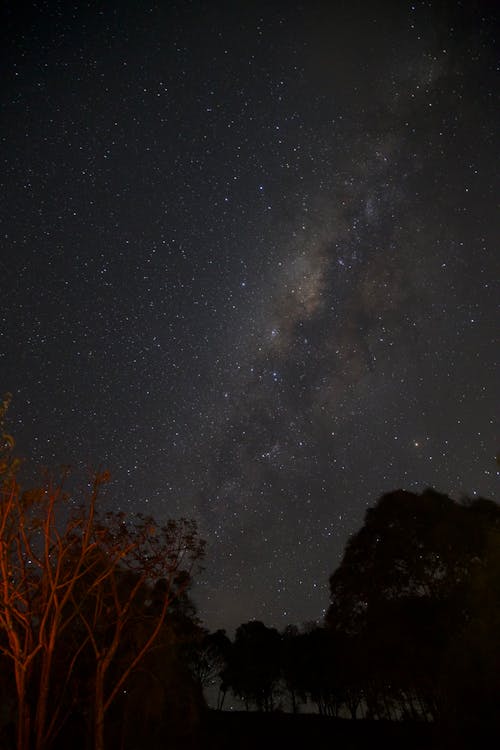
(319,669)
(469,679)
(253,670)
(294,666)
(404,591)
(208,658)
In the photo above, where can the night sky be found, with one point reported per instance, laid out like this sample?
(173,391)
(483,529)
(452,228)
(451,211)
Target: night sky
(248,263)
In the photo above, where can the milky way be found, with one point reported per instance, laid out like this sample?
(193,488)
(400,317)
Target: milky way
(249,265)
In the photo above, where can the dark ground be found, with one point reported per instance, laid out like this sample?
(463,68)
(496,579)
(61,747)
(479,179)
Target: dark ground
(230,730)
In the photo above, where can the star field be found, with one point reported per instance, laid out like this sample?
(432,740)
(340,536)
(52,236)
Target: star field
(249,264)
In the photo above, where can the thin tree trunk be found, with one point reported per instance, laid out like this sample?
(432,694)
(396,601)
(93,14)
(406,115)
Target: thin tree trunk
(222,698)
(99,711)
(42,700)
(23,721)
(353,710)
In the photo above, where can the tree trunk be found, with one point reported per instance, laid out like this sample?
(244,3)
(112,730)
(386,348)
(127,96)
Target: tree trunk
(41,708)
(352,705)
(99,711)
(221,699)
(23,723)
(23,728)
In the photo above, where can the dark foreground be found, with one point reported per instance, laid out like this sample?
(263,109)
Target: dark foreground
(230,730)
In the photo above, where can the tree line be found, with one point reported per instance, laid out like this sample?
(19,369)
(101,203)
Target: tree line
(411,631)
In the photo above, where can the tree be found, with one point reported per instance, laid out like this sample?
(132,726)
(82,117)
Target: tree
(208,659)
(317,656)
(404,591)
(293,666)
(469,680)
(123,607)
(253,670)
(160,701)
(71,585)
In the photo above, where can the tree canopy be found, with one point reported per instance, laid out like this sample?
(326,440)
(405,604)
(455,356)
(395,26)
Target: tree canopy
(418,588)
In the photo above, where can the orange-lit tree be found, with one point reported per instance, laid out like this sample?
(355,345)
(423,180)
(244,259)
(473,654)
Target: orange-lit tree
(124,612)
(76,589)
